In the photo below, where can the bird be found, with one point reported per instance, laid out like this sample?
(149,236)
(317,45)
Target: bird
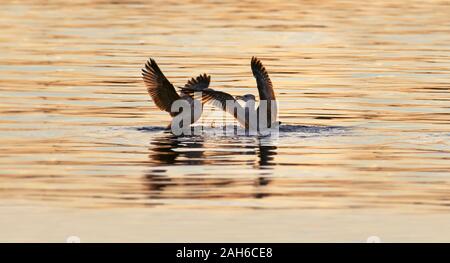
(265,91)
(163,93)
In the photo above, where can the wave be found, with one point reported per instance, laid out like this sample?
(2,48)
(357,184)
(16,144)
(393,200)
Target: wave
(284,129)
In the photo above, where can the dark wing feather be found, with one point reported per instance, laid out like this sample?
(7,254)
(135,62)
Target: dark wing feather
(160,89)
(209,95)
(216,98)
(265,88)
(199,83)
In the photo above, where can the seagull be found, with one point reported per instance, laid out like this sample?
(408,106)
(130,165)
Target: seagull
(164,94)
(265,90)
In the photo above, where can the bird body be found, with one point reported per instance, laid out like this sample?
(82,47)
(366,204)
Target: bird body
(164,94)
(264,117)
(167,99)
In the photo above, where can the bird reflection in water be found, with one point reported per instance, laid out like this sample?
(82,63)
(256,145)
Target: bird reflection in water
(171,149)
(167,151)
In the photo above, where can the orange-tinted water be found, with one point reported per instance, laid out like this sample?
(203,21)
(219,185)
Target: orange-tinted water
(371,83)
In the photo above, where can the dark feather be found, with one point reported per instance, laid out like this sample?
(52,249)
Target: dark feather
(201,82)
(264,84)
(159,88)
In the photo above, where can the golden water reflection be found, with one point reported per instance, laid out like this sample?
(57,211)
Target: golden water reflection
(77,128)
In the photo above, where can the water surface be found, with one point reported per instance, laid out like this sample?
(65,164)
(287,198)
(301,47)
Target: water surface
(364,100)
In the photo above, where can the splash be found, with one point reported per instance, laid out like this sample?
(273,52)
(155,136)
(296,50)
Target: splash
(284,130)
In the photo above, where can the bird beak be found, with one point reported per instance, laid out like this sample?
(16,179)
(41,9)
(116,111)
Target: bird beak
(239,98)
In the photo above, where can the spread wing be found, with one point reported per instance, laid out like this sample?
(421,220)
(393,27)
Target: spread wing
(159,88)
(199,83)
(265,88)
(216,98)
